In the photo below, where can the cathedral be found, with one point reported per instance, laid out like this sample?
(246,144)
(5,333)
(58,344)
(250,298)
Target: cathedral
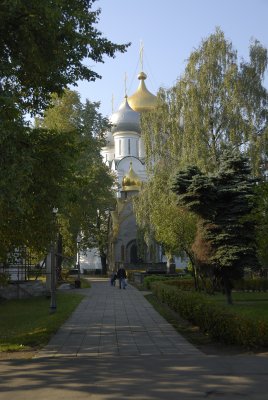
(125,156)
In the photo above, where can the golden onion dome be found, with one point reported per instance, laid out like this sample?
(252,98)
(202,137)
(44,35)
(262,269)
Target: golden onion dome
(131,180)
(142,100)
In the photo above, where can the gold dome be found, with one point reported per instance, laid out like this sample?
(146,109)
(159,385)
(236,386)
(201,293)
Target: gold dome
(131,181)
(142,99)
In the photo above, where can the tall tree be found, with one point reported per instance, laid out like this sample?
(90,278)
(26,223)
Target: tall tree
(60,167)
(223,201)
(160,218)
(89,191)
(43,48)
(216,102)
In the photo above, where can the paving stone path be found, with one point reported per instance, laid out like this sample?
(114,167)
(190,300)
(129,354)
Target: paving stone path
(110,321)
(115,346)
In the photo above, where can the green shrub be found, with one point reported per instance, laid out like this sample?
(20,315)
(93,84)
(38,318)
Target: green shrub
(219,322)
(255,285)
(4,278)
(183,284)
(148,280)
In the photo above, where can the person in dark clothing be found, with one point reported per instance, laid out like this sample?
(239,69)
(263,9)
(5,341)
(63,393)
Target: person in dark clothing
(121,276)
(113,279)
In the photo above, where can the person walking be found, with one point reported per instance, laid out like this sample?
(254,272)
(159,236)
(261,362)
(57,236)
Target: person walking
(121,276)
(113,278)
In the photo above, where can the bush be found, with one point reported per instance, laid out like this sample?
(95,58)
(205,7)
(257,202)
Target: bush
(254,285)
(183,284)
(4,278)
(148,280)
(219,322)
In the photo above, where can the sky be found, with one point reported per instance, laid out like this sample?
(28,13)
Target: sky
(169,30)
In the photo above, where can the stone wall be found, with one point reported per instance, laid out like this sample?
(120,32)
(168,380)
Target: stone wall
(23,290)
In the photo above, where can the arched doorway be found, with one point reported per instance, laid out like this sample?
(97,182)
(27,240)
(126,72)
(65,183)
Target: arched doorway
(133,253)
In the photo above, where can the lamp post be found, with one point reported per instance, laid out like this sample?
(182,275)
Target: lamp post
(78,281)
(53,302)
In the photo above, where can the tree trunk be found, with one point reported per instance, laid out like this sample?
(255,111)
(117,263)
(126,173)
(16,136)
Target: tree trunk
(103,264)
(169,258)
(227,289)
(194,271)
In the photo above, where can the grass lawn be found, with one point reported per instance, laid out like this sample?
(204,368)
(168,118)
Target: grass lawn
(251,304)
(27,323)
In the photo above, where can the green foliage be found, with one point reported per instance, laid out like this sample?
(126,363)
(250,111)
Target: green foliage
(223,201)
(26,323)
(4,278)
(217,101)
(159,216)
(213,105)
(33,167)
(43,46)
(217,320)
(56,164)
(183,284)
(259,215)
(88,191)
(148,280)
(251,285)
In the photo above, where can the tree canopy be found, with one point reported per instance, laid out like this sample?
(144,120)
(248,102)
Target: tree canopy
(56,164)
(43,45)
(218,101)
(160,218)
(88,193)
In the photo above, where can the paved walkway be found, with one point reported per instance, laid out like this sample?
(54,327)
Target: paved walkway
(116,347)
(110,321)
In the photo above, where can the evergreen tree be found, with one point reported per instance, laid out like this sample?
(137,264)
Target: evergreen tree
(223,201)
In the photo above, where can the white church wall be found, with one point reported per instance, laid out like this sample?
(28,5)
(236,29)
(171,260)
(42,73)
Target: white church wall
(107,154)
(126,144)
(123,168)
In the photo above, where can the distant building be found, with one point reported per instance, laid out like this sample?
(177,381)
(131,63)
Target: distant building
(124,154)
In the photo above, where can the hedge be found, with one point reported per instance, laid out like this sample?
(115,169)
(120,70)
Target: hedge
(219,322)
(251,285)
(148,280)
